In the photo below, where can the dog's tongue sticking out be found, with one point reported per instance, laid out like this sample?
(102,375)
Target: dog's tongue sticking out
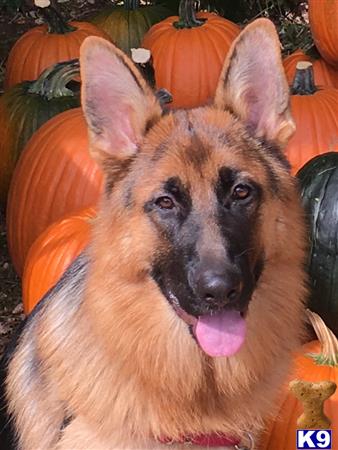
(221,334)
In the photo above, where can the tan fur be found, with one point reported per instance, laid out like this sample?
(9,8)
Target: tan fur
(115,355)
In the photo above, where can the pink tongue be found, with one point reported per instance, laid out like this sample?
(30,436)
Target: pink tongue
(221,334)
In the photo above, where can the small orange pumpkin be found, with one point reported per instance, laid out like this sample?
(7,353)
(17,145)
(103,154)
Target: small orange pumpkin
(52,253)
(188,54)
(55,176)
(324,74)
(317,361)
(315,111)
(323,18)
(45,45)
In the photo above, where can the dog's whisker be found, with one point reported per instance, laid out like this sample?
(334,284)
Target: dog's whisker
(247,250)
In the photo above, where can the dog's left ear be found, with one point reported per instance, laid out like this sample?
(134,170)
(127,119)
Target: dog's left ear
(117,102)
(253,83)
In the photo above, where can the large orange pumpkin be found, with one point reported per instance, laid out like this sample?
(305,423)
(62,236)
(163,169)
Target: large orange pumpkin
(45,45)
(188,54)
(323,18)
(52,253)
(324,74)
(55,175)
(317,361)
(315,111)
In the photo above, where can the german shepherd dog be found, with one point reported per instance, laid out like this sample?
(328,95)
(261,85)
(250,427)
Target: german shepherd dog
(178,323)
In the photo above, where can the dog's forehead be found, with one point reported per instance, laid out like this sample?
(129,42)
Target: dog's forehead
(201,141)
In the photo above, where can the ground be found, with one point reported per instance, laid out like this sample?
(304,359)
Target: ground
(10,290)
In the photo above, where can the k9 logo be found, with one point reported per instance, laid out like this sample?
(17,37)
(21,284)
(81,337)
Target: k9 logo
(316,439)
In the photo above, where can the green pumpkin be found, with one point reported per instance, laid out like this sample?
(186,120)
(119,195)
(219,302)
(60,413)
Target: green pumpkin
(26,106)
(319,191)
(126,25)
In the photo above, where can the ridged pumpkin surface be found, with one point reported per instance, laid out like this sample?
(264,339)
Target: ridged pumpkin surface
(21,114)
(38,49)
(315,111)
(318,181)
(316,118)
(54,177)
(324,74)
(188,61)
(52,253)
(126,28)
(323,18)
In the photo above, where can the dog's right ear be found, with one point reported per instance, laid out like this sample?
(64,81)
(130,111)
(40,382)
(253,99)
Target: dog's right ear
(118,104)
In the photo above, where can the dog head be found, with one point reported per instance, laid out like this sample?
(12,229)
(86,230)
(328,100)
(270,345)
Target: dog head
(199,198)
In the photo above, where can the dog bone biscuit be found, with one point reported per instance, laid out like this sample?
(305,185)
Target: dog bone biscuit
(312,396)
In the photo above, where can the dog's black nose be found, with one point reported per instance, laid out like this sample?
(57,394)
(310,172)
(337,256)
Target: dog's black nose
(218,289)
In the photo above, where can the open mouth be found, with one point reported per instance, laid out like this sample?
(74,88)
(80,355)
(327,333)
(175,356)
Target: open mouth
(220,333)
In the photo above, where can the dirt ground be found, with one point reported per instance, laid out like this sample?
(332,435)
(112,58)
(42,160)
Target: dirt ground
(12,25)
(11,312)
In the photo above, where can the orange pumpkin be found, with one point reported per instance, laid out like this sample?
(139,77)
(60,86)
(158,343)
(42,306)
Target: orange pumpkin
(52,253)
(188,54)
(55,176)
(323,18)
(45,45)
(324,74)
(317,361)
(315,111)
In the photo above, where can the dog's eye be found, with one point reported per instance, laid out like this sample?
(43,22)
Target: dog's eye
(241,192)
(165,202)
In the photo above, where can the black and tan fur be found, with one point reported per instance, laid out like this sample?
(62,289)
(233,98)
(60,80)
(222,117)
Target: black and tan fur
(105,362)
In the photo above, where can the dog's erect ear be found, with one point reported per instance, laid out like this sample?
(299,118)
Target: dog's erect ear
(253,83)
(117,102)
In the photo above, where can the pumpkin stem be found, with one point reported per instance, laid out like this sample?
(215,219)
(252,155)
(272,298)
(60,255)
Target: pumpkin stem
(328,341)
(303,82)
(187,15)
(52,82)
(130,5)
(142,58)
(55,22)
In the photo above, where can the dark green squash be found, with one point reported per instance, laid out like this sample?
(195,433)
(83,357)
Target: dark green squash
(319,191)
(26,106)
(126,25)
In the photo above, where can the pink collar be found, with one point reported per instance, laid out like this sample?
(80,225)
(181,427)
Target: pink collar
(205,440)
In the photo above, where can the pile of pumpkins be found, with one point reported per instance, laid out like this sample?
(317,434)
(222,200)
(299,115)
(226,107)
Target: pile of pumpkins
(51,185)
